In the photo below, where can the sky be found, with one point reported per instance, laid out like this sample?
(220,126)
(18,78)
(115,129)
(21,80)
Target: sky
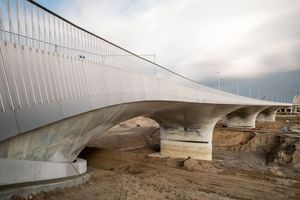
(249,46)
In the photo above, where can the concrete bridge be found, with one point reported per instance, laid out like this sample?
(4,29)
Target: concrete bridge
(61,86)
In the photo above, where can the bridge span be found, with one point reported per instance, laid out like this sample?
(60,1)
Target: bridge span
(61,86)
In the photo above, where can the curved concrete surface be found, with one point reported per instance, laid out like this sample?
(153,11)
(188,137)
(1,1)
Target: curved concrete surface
(55,125)
(268,114)
(244,117)
(62,141)
(50,86)
(183,126)
(20,171)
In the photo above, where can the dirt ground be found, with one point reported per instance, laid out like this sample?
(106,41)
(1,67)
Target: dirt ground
(262,163)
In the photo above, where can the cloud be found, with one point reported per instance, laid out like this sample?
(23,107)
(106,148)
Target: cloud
(198,38)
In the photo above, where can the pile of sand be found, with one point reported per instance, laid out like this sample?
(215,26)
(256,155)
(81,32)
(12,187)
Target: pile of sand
(194,165)
(245,141)
(135,133)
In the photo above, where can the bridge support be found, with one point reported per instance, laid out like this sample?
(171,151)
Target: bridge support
(243,117)
(268,114)
(183,143)
(186,130)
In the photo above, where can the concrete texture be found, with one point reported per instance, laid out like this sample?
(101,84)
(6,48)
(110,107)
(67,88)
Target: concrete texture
(244,117)
(62,141)
(180,149)
(188,129)
(56,125)
(268,114)
(43,186)
(84,86)
(20,171)
(181,121)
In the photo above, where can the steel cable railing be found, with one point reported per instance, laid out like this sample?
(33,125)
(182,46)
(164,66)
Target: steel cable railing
(28,23)
(45,40)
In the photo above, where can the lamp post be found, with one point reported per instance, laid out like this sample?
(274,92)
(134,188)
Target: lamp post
(219,81)
(249,93)
(220,84)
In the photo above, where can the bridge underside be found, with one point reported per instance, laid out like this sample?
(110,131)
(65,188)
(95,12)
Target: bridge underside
(182,124)
(268,114)
(244,117)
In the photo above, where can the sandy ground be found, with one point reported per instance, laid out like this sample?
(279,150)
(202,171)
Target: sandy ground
(258,164)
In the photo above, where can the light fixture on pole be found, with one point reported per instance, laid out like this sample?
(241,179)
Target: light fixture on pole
(249,93)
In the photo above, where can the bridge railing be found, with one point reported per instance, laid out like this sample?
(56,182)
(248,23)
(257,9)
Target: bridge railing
(27,23)
(51,69)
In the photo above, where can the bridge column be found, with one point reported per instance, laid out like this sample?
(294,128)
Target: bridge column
(186,131)
(243,117)
(186,142)
(268,114)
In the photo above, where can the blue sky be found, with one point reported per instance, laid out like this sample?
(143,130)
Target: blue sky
(253,43)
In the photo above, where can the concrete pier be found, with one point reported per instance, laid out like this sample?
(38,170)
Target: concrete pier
(268,114)
(187,131)
(244,117)
(180,143)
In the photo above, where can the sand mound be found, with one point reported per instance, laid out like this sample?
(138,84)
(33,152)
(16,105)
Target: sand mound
(135,133)
(137,122)
(194,165)
(245,141)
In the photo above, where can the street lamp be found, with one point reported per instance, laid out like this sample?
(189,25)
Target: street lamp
(249,93)
(219,81)
(219,84)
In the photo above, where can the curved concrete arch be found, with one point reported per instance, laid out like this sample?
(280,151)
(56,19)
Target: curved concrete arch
(268,114)
(244,117)
(62,141)
(186,130)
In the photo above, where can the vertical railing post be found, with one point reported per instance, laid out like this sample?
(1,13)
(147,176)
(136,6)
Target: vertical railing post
(32,26)
(59,34)
(18,20)
(9,20)
(39,27)
(45,31)
(25,22)
(1,24)
(49,33)
(54,34)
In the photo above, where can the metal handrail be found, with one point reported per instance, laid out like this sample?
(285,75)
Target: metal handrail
(76,26)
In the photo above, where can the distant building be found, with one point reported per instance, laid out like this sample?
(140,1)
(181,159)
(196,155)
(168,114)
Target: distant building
(296,104)
(292,110)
